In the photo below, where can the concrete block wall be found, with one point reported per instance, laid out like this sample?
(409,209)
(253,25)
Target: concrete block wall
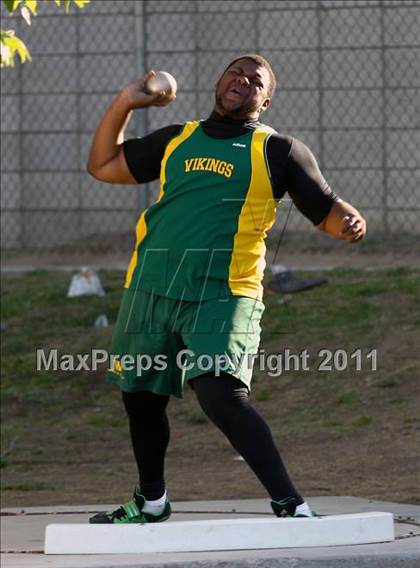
(349,84)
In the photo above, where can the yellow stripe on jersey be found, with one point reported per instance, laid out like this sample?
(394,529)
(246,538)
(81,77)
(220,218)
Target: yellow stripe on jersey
(141,227)
(173,145)
(257,216)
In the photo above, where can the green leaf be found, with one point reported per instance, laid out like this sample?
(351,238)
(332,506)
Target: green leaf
(21,48)
(66,3)
(11,5)
(10,45)
(6,54)
(6,33)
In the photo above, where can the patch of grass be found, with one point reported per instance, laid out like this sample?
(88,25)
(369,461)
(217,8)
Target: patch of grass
(28,486)
(110,472)
(70,436)
(105,421)
(197,417)
(331,423)
(398,401)
(262,394)
(368,288)
(322,313)
(347,398)
(412,420)
(362,421)
(389,383)
(353,302)
(305,415)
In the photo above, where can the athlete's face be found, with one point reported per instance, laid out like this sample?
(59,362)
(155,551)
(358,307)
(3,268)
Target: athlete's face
(241,92)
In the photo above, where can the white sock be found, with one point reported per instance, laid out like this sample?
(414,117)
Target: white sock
(156,506)
(303,509)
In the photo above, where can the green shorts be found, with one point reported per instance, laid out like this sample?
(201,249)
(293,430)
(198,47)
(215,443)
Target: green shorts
(159,342)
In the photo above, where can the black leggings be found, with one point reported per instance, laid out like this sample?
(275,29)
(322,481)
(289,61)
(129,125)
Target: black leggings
(225,400)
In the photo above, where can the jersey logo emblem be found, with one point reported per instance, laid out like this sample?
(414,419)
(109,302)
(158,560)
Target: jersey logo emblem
(239,145)
(209,165)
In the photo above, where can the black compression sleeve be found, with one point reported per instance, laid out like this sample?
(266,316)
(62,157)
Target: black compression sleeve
(306,185)
(144,155)
(294,169)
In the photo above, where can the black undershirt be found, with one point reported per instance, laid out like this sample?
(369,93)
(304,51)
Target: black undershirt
(293,167)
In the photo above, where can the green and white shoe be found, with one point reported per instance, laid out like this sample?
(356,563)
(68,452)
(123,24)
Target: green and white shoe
(287,509)
(131,512)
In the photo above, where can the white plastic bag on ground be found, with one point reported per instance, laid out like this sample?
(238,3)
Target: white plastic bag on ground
(101,321)
(277,268)
(85,283)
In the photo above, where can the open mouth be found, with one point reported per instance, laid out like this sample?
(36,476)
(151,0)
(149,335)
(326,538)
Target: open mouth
(235,93)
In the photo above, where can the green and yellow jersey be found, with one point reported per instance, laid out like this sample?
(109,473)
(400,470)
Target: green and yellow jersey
(204,237)
(205,234)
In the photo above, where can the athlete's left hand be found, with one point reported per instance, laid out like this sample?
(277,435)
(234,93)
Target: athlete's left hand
(344,222)
(353,228)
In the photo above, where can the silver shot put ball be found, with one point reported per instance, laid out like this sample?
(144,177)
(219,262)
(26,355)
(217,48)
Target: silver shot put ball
(162,81)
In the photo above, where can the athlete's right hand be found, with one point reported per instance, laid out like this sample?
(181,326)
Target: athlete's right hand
(136,96)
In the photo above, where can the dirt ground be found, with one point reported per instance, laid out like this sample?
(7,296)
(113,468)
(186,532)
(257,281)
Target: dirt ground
(368,451)
(340,433)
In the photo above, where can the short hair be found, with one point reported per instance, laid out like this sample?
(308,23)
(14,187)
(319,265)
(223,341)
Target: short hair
(262,62)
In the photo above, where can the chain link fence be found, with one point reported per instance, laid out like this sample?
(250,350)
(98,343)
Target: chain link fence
(349,83)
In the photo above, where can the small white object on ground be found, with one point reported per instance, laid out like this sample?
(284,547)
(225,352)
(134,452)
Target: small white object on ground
(277,268)
(101,321)
(85,283)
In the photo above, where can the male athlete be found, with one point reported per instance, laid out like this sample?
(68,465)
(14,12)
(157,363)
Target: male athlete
(193,285)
